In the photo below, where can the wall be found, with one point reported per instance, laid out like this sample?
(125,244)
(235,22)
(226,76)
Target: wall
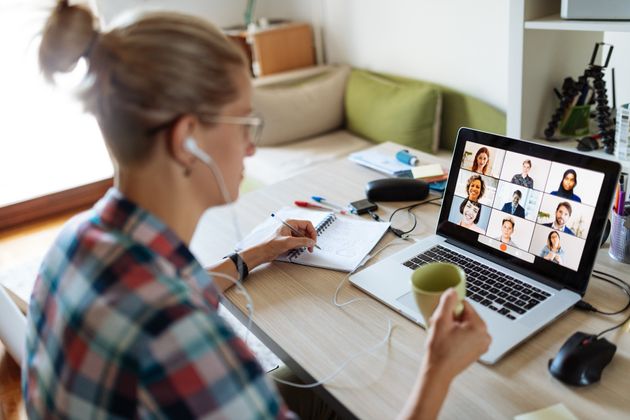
(620,61)
(220,12)
(459,43)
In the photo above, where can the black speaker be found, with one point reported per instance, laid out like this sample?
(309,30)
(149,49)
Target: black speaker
(396,189)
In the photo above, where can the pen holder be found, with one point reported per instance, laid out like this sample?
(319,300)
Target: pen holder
(620,238)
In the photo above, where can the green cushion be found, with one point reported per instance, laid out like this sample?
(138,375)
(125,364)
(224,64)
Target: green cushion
(383,110)
(459,110)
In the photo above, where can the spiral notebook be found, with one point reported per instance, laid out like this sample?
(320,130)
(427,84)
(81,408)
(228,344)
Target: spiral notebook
(345,241)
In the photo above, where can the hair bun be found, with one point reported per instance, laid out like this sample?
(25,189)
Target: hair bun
(68,35)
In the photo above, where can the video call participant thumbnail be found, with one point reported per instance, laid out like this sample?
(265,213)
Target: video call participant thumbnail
(523,179)
(507,229)
(562,216)
(552,251)
(475,188)
(568,183)
(513,207)
(471,213)
(481,162)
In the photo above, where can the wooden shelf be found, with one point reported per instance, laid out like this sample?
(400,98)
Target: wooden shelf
(555,23)
(571,144)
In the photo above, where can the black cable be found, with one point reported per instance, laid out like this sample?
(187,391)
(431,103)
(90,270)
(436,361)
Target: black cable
(623,285)
(625,289)
(400,232)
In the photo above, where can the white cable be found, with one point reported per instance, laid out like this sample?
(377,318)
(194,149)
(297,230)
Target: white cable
(361,264)
(344,364)
(205,158)
(241,288)
(341,305)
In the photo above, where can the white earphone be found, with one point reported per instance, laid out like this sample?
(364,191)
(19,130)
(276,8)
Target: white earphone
(190,144)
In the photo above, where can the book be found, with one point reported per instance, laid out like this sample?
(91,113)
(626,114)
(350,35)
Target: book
(378,160)
(382,162)
(345,240)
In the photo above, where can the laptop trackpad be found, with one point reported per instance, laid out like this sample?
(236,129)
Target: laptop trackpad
(410,308)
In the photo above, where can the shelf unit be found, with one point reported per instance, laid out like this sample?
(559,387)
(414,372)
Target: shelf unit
(543,50)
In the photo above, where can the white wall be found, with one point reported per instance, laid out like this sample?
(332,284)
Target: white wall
(620,61)
(459,43)
(220,12)
(462,44)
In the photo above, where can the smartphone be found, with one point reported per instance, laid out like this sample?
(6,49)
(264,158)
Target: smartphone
(362,206)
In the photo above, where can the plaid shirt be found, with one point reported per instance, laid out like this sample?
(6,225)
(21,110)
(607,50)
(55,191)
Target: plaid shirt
(123,323)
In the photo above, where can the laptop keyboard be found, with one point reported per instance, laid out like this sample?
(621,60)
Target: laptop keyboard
(493,289)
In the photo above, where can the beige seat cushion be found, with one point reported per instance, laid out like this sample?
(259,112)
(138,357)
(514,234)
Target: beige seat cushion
(302,108)
(273,164)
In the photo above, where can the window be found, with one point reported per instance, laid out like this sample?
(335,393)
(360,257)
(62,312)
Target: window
(48,145)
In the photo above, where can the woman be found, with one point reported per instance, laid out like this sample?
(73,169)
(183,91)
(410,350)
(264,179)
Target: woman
(123,320)
(481,163)
(475,188)
(471,212)
(553,251)
(507,229)
(568,183)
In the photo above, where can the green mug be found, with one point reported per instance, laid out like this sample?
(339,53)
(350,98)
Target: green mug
(431,280)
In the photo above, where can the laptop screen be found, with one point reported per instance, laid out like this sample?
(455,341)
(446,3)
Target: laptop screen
(540,209)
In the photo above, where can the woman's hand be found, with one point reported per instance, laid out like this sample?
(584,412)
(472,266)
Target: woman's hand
(454,343)
(281,241)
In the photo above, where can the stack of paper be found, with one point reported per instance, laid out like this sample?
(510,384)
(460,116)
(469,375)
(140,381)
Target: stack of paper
(388,164)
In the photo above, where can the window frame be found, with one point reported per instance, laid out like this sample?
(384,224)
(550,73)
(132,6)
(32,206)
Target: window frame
(48,205)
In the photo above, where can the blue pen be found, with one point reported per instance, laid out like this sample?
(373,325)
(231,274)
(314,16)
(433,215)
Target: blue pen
(324,201)
(294,230)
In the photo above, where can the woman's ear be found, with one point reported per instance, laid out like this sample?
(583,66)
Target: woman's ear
(184,127)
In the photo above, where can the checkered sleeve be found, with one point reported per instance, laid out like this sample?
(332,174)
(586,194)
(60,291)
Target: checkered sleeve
(194,366)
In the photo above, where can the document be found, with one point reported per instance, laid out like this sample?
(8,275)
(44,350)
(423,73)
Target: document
(344,240)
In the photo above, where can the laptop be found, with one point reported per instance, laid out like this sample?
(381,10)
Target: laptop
(523,220)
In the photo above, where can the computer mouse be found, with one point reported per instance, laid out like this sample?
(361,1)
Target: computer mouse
(581,359)
(396,189)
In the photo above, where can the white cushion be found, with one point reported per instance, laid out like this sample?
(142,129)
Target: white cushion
(300,109)
(273,164)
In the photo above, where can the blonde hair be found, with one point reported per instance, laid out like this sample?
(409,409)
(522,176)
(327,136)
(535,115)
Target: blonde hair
(144,75)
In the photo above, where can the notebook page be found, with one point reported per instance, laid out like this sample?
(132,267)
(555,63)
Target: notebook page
(267,228)
(345,242)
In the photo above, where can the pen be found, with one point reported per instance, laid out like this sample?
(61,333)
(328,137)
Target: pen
(616,201)
(622,196)
(317,206)
(294,230)
(323,201)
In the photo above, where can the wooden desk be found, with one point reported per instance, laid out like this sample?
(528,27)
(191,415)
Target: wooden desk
(295,317)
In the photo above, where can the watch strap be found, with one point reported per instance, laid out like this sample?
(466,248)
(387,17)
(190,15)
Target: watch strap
(241,266)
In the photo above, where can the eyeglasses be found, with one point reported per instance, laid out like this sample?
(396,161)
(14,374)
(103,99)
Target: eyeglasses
(253,124)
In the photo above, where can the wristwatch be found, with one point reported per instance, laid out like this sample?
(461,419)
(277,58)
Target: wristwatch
(241,267)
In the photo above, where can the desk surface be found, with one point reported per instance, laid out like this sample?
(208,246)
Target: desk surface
(295,316)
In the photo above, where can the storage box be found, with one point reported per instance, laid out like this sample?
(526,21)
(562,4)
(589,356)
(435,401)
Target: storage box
(595,9)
